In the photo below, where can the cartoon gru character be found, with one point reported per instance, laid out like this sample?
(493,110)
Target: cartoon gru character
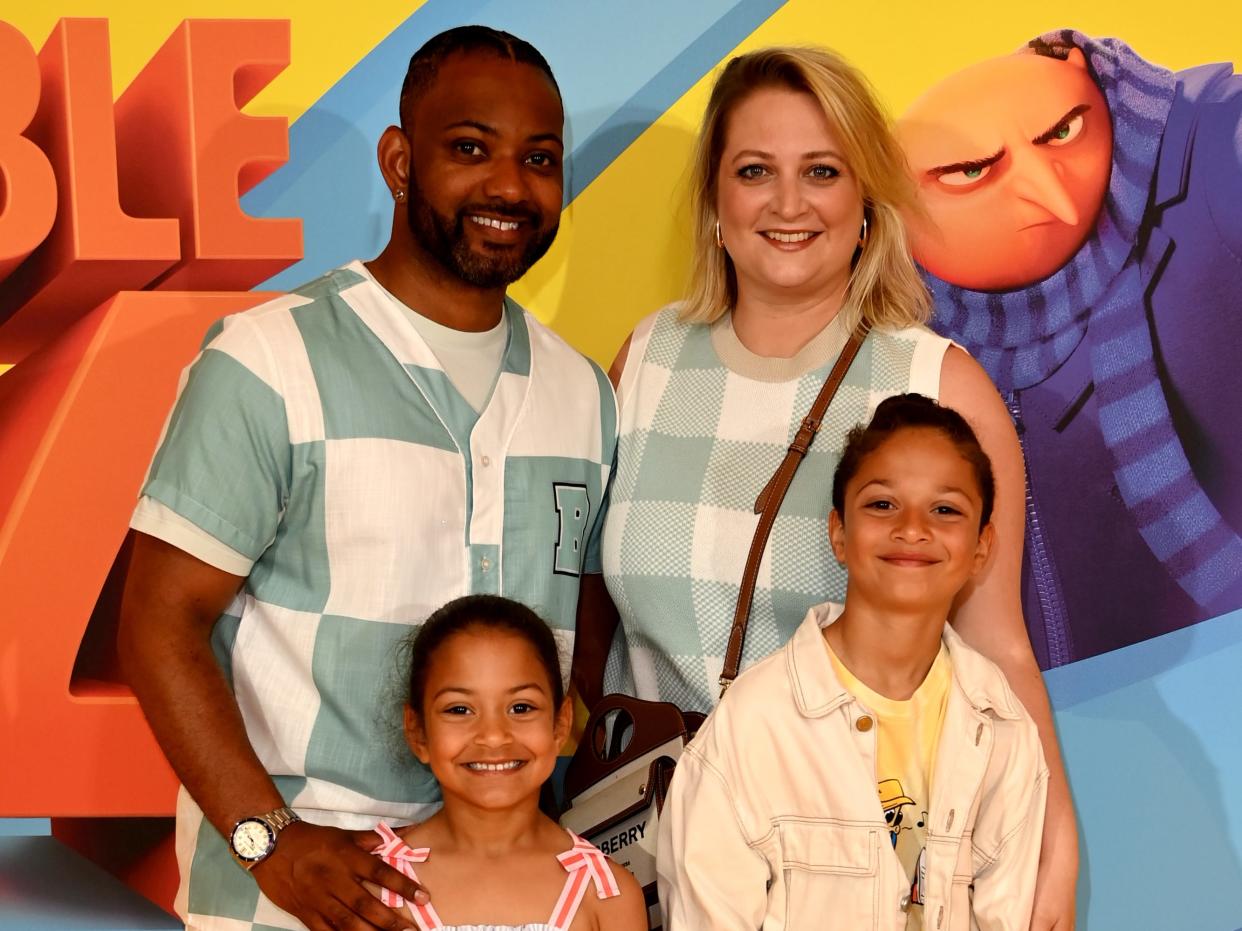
(1083,239)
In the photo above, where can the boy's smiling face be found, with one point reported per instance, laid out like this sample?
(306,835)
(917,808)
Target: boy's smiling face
(910,535)
(1011,158)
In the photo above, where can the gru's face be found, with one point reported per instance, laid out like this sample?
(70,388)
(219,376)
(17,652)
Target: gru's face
(1011,158)
(485,175)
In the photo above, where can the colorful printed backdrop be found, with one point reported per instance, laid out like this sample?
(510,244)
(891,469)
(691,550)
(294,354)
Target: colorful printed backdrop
(1148,729)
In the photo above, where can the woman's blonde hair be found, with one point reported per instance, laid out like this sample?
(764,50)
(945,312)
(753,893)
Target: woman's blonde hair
(885,288)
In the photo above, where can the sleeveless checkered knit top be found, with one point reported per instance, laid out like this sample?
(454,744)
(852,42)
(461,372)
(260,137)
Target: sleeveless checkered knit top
(704,423)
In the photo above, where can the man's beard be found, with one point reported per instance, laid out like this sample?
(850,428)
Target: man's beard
(444,239)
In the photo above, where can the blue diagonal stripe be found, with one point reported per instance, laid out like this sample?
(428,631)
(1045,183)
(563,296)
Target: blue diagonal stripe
(616,80)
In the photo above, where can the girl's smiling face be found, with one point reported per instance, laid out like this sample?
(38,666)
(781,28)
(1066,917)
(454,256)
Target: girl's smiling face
(488,728)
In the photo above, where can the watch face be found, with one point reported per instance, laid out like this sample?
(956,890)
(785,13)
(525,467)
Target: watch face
(252,839)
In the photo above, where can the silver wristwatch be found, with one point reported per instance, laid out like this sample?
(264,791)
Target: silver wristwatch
(252,840)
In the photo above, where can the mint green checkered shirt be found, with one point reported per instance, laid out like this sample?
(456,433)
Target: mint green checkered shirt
(318,436)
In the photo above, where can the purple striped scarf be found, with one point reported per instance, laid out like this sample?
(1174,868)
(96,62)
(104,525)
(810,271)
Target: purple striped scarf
(1021,337)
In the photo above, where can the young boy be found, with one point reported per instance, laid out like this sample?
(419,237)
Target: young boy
(876,772)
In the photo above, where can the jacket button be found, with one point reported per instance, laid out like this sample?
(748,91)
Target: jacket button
(864,723)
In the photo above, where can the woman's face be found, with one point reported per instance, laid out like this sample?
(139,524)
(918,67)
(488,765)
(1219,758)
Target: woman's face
(789,206)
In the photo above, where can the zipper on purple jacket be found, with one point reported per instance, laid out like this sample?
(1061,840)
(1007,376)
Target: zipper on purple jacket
(1047,587)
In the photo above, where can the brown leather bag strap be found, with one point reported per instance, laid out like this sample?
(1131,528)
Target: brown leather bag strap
(769,500)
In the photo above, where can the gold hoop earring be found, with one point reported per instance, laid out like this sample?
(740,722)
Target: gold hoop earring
(862,237)
(719,238)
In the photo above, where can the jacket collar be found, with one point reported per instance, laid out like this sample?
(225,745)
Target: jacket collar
(817,690)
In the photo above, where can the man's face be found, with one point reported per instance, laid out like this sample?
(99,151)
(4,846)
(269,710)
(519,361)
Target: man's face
(1011,158)
(485,168)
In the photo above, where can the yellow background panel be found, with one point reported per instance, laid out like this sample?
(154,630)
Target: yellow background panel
(622,250)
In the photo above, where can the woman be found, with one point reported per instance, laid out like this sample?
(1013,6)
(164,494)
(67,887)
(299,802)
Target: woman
(798,188)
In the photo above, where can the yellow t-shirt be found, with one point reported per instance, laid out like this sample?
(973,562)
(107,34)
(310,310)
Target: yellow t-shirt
(907,735)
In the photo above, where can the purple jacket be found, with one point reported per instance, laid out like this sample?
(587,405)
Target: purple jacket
(1090,582)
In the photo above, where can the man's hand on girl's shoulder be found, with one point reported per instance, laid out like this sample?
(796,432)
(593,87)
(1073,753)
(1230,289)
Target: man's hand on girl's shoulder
(317,874)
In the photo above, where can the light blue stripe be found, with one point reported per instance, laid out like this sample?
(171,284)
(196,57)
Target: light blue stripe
(607,412)
(516,360)
(1210,577)
(1146,478)
(1026,363)
(616,79)
(1183,524)
(1065,341)
(615,134)
(1123,353)
(1134,413)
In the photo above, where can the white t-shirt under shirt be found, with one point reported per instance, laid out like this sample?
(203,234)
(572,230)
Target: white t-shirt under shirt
(470,360)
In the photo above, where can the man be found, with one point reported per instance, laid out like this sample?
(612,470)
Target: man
(1084,244)
(340,462)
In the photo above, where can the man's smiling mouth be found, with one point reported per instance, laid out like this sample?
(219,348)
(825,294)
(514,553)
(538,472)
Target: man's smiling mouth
(502,225)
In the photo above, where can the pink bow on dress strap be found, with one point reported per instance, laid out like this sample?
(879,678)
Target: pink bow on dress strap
(401,857)
(584,864)
(585,855)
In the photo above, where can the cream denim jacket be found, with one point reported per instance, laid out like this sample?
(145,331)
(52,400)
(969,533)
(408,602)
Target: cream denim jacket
(773,819)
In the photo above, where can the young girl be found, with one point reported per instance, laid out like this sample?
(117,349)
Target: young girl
(487,712)
(876,772)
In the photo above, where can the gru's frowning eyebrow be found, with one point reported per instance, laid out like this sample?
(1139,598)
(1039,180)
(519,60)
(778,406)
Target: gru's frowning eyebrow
(973,165)
(1050,134)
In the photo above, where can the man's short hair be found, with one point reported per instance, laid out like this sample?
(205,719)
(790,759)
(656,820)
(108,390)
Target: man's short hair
(426,62)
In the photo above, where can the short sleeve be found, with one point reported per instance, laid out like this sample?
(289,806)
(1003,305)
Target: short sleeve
(160,521)
(224,461)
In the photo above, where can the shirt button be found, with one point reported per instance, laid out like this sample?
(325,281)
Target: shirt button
(485,564)
(486,460)
(864,723)
(905,903)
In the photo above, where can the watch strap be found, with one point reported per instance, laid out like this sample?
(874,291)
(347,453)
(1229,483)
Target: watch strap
(281,818)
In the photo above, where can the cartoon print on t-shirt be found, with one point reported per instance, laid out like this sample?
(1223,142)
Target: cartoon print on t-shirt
(893,800)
